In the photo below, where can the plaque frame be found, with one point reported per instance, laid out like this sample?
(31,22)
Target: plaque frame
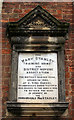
(49,36)
(61,73)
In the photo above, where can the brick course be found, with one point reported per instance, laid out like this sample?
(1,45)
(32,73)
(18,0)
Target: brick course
(13,11)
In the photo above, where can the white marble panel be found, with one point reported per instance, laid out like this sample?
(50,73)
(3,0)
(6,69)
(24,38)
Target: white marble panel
(37,78)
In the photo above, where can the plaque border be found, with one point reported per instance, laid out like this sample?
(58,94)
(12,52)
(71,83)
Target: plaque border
(61,72)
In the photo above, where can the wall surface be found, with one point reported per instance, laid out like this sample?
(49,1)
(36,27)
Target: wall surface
(13,11)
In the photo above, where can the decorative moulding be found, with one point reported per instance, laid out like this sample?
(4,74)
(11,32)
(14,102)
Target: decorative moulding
(36,109)
(37,22)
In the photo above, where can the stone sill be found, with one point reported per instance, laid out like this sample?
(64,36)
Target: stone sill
(36,109)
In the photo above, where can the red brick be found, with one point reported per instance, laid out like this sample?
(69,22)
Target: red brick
(7,69)
(66,81)
(68,52)
(66,57)
(5,81)
(21,15)
(7,10)
(3,59)
(4,45)
(11,5)
(17,11)
(72,35)
(70,81)
(13,19)
(5,21)
(59,11)
(6,60)
(67,87)
(66,45)
(67,93)
(72,86)
(4,41)
(58,16)
(5,88)
(66,69)
(70,105)
(67,74)
(71,69)
(69,63)
(72,74)
(27,10)
(8,45)
(72,46)
(72,93)
(6,51)
(5,17)
(6,75)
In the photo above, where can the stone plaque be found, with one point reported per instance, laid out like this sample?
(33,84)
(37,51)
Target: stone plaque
(37,78)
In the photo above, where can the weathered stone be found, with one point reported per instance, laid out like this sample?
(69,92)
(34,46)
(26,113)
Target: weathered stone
(37,33)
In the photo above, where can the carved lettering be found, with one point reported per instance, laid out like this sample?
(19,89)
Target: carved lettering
(37,78)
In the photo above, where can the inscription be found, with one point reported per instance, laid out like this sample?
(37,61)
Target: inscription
(37,78)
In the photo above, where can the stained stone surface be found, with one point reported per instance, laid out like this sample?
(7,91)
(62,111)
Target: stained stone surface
(37,78)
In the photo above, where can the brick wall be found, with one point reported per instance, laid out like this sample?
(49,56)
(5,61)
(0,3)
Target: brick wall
(13,11)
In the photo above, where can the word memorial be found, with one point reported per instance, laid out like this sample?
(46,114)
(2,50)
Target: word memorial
(37,78)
